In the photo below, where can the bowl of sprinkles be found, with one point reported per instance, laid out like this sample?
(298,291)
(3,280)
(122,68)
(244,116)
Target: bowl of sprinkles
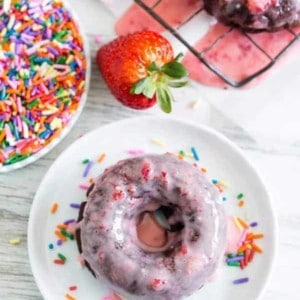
(44,75)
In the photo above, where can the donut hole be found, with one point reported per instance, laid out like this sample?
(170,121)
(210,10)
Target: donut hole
(159,230)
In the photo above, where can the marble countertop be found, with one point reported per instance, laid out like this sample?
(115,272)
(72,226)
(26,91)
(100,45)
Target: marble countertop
(279,164)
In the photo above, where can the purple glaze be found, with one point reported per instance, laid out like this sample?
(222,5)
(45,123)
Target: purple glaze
(108,229)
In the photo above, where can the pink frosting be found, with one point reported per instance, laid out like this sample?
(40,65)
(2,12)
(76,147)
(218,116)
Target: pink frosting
(109,237)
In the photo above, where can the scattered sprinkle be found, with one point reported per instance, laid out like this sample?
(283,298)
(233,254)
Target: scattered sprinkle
(195,104)
(83,186)
(237,223)
(73,288)
(224,198)
(67,222)
(159,142)
(214,181)
(241,280)
(253,224)
(54,207)
(136,152)
(69,297)
(87,168)
(85,161)
(61,256)
(240,196)
(15,241)
(195,154)
(51,246)
(242,222)
(98,39)
(59,261)
(75,205)
(101,158)
(59,242)
(241,203)
(203,170)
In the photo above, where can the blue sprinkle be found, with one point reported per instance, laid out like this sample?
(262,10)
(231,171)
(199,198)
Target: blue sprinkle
(195,154)
(214,181)
(51,246)
(224,198)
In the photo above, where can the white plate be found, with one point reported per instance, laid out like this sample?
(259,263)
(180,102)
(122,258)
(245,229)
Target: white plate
(222,159)
(74,118)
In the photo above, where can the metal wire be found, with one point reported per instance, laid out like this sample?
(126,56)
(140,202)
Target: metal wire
(200,55)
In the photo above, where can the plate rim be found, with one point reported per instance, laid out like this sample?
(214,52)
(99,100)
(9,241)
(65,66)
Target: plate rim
(216,134)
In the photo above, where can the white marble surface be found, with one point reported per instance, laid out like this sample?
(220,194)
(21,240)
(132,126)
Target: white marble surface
(278,162)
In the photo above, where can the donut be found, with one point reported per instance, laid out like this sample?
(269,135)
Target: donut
(152,226)
(256,15)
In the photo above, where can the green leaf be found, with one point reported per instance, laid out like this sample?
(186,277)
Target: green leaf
(178,57)
(149,89)
(174,69)
(139,87)
(177,84)
(164,99)
(153,67)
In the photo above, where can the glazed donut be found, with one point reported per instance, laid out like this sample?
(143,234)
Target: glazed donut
(256,15)
(187,236)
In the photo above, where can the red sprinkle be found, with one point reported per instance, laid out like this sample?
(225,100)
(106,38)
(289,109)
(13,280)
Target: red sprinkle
(73,288)
(58,261)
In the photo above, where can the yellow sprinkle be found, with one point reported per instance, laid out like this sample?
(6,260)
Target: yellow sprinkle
(224,184)
(15,241)
(195,104)
(237,223)
(189,154)
(159,142)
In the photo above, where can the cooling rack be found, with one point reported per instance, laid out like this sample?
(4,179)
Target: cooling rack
(201,54)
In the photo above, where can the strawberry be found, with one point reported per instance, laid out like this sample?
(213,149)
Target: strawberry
(140,68)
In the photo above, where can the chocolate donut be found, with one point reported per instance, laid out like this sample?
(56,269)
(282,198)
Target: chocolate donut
(180,204)
(256,15)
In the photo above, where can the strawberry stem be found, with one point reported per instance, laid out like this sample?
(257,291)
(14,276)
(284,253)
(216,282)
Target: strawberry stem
(159,80)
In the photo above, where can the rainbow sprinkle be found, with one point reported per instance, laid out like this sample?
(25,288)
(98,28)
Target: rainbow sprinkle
(246,247)
(195,154)
(42,76)
(241,280)
(54,207)
(15,241)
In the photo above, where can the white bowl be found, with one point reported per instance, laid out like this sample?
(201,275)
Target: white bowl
(74,118)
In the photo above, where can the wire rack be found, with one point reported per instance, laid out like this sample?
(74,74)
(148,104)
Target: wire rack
(201,55)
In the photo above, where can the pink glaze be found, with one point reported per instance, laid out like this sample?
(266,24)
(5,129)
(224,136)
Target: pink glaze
(234,55)
(109,235)
(136,19)
(233,236)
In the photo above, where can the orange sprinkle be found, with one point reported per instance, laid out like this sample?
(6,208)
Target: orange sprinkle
(203,170)
(101,158)
(2,135)
(62,226)
(257,236)
(69,297)
(257,248)
(180,156)
(243,248)
(243,223)
(54,207)
(241,203)
(60,236)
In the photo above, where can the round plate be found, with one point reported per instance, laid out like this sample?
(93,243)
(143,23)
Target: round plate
(218,155)
(74,118)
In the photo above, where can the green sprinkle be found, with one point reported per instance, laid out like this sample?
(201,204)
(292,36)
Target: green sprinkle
(181,152)
(85,161)
(230,255)
(234,264)
(240,196)
(33,103)
(71,236)
(61,256)
(27,121)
